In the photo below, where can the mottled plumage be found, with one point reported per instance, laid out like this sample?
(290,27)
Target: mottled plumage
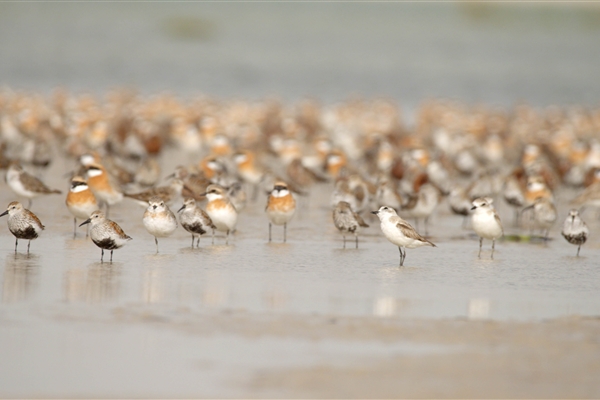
(575,231)
(195,220)
(22,223)
(347,221)
(26,185)
(105,233)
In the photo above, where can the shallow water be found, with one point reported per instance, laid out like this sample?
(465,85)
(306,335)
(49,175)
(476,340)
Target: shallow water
(254,319)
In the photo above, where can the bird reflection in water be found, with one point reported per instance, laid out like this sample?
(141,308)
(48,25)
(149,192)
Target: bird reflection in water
(20,278)
(98,283)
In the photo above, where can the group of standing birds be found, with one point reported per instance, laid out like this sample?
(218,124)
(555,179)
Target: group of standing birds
(365,154)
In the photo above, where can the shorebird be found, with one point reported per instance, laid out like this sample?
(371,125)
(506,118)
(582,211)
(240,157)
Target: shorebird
(80,201)
(22,223)
(544,214)
(220,209)
(248,170)
(159,220)
(399,232)
(169,194)
(105,233)
(195,220)
(575,231)
(347,221)
(281,207)
(26,185)
(98,180)
(486,222)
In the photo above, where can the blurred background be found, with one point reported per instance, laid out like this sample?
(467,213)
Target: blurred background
(476,52)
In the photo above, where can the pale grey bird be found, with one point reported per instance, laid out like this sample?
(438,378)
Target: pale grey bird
(400,232)
(195,220)
(22,223)
(159,220)
(105,233)
(575,230)
(347,221)
(544,214)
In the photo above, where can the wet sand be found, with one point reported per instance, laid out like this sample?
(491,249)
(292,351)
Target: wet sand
(306,318)
(300,319)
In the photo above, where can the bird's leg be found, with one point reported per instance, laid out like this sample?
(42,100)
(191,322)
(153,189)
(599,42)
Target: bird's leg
(198,241)
(344,236)
(156,241)
(87,230)
(480,244)
(213,237)
(28,244)
(102,255)
(464,223)
(74,228)
(356,239)
(16,244)
(269,232)
(284,232)
(578,248)
(227,237)
(111,255)
(29,203)
(493,245)
(192,241)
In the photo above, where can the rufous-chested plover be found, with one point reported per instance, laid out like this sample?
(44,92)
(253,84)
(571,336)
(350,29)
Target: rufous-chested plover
(399,232)
(220,209)
(80,201)
(575,230)
(347,221)
(105,233)
(159,220)
(195,220)
(281,207)
(486,222)
(22,223)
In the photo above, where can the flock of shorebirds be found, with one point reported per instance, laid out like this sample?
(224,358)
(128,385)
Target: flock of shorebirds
(229,151)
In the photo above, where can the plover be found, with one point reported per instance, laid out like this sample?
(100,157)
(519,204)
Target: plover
(575,230)
(105,233)
(22,223)
(347,221)
(281,207)
(98,180)
(159,220)
(220,210)
(195,220)
(26,185)
(80,201)
(399,232)
(486,222)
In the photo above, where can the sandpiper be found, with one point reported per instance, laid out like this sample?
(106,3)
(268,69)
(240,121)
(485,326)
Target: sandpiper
(22,223)
(26,185)
(399,232)
(80,201)
(575,230)
(486,222)
(195,220)
(347,221)
(159,220)
(220,209)
(281,207)
(105,233)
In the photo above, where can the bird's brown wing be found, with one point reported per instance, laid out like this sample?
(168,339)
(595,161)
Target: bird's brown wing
(360,221)
(410,232)
(33,183)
